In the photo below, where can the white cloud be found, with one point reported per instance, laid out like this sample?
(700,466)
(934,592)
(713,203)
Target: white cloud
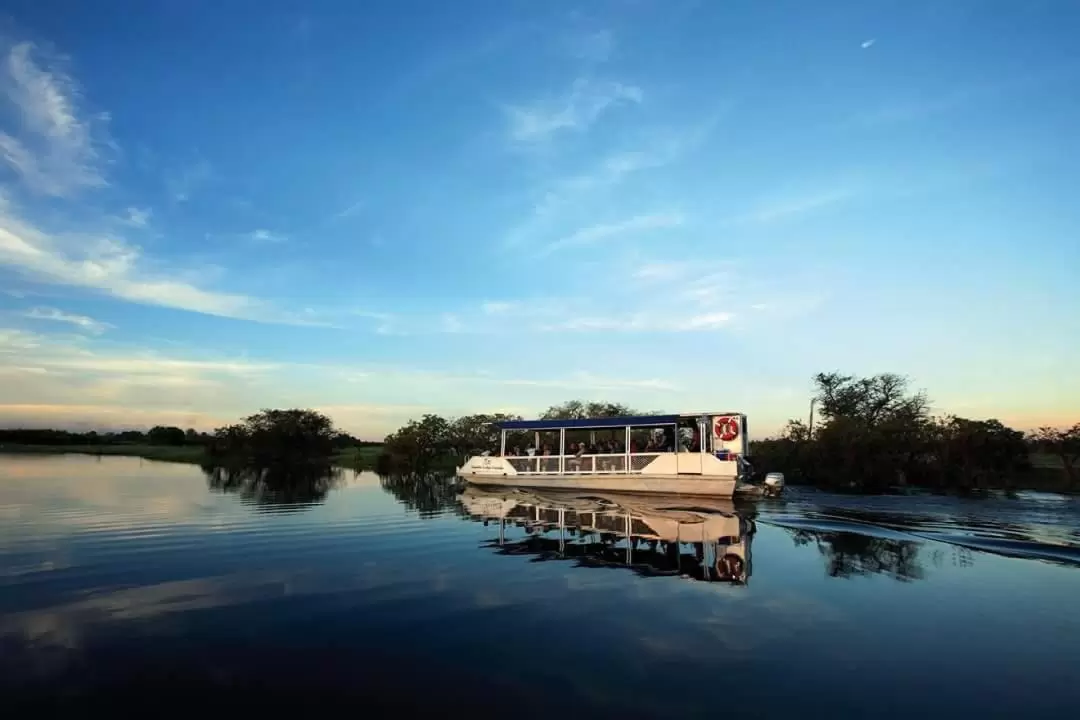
(183,184)
(53,150)
(265,236)
(108,265)
(783,208)
(573,199)
(588,381)
(595,47)
(452,324)
(78,381)
(707,321)
(496,308)
(62,383)
(578,109)
(868,43)
(644,322)
(351,210)
(81,321)
(597,233)
(138,217)
(17,341)
(661,271)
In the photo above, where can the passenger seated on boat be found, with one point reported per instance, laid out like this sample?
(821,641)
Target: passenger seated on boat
(550,464)
(574,463)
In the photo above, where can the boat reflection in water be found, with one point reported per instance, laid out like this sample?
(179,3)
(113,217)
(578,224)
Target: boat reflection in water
(654,535)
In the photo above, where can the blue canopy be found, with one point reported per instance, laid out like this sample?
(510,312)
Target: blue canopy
(636,421)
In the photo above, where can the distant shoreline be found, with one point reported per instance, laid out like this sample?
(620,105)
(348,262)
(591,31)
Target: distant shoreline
(361,458)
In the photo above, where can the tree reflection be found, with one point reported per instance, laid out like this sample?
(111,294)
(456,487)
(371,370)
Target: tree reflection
(848,554)
(428,494)
(276,485)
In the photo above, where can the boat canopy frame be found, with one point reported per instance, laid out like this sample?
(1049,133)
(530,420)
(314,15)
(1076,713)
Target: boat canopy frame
(639,421)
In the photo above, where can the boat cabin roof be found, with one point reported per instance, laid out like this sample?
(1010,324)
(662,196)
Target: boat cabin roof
(606,422)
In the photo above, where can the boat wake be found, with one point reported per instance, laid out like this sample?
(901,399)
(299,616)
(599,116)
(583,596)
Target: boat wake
(1035,526)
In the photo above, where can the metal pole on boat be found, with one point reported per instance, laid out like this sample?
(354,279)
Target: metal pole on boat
(562,531)
(502,443)
(626,451)
(678,548)
(562,450)
(701,444)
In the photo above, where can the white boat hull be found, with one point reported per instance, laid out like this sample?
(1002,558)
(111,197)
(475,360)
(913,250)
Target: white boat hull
(671,473)
(636,483)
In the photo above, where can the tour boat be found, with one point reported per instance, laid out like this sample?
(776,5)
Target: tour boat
(648,533)
(687,454)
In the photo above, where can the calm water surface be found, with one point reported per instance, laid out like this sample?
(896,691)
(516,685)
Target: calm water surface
(149,586)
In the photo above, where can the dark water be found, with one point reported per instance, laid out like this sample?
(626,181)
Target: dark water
(149,587)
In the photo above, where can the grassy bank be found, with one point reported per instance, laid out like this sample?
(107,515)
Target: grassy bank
(167,453)
(359,458)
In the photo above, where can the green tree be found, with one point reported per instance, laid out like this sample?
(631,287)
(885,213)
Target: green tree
(872,431)
(417,447)
(1063,444)
(161,435)
(472,434)
(579,410)
(976,453)
(274,437)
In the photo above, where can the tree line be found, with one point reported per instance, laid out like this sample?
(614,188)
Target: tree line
(157,435)
(268,436)
(874,433)
(871,434)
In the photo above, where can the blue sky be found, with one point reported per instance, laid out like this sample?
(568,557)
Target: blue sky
(384,209)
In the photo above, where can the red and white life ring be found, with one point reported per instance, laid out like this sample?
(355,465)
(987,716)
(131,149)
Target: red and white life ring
(726,428)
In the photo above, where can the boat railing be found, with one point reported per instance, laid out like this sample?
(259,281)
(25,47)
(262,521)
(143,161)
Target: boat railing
(601,464)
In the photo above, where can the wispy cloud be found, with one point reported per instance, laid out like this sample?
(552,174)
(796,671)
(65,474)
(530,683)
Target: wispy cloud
(662,271)
(644,322)
(137,217)
(593,47)
(264,236)
(782,208)
(109,265)
(182,184)
(62,382)
(452,323)
(573,198)
(349,210)
(578,109)
(53,149)
(866,44)
(578,380)
(81,321)
(496,308)
(600,232)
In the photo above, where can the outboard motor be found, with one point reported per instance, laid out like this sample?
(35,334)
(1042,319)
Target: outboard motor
(774,483)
